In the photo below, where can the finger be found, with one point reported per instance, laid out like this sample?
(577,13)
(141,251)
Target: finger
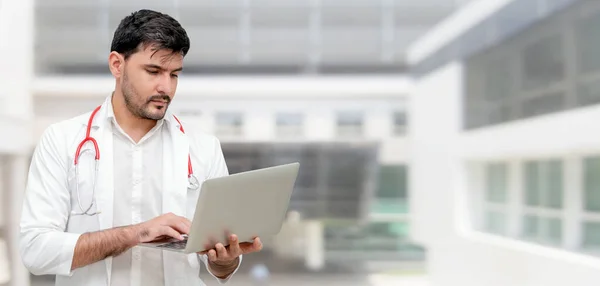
(249,247)
(212,255)
(234,246)
(221,251)
(179,225)
(166,230)
(257,244)
(187,222)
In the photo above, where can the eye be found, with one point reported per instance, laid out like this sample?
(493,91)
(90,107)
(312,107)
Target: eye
(152,71)
(175,75)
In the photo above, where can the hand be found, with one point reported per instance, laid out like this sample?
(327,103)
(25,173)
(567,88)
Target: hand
(164,226)
(221,255)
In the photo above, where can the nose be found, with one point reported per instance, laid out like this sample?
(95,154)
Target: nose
(165,84)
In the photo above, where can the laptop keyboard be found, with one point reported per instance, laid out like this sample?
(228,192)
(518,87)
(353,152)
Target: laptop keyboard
(174,245)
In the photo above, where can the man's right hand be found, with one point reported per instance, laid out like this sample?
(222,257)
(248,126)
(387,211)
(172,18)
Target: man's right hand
(167,225)
(95,246)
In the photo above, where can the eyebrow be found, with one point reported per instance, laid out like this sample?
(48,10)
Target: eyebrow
(152,66)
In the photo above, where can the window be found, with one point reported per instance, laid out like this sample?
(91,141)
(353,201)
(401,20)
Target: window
(543,198)
(289,125)
(498,80)
(543,62)
(588,44)
(399,123)
(229,124)
(496,182)
(349,124)
(546,103)
(190,113)
(542,209)
(591,203)
(392,190)
(588,60)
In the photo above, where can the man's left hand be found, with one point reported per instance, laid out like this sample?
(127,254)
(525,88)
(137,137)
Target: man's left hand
(227,255)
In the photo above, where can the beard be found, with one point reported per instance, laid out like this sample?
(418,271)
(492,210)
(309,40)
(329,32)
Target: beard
(141,109)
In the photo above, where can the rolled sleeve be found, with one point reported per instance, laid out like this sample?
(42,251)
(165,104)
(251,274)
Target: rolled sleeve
(204,259)
(68,251)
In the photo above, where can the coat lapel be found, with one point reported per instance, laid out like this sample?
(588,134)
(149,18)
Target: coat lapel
(102,132)
(175,181)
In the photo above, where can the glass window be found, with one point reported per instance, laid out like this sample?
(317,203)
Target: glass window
(543,184)
(591,184)
(588,44)
(530,226)
(349,124)
(554,187)
(392,182)
(289,124)
(542,229)
(496,181)
(392,190)
(498,80)
(532,188)
(543,104)
(554,230)
(495,222)
(543,62)
(588,93)
(591,235)
(400,123)
(228,124)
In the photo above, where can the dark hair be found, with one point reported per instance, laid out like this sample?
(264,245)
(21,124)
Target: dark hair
(147,27)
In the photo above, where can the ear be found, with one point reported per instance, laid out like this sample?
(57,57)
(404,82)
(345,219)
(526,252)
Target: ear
(116,64)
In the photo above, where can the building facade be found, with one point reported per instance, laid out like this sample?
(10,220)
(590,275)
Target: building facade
(349,133)
(504,174)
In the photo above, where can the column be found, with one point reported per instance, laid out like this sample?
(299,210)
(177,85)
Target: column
(17,33)
(314,245)
(4,263)
(16,114)
(16,172)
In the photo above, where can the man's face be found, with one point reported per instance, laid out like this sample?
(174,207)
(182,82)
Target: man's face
(149,82)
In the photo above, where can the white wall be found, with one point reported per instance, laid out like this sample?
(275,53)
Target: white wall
(433,155)
(16,48)
(442,205)
(482,260)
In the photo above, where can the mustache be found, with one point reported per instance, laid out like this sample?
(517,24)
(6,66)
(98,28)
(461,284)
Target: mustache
(160,97)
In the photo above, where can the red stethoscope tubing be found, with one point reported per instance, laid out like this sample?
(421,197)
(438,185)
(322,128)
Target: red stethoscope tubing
(91,139)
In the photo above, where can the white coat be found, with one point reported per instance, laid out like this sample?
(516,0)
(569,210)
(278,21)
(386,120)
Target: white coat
(49,232)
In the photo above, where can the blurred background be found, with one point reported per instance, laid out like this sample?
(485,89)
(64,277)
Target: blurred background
(442,142)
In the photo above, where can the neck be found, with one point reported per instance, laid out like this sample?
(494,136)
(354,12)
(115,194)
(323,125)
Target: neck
(134,126)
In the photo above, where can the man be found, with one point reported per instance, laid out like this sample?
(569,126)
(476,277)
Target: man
(82,224)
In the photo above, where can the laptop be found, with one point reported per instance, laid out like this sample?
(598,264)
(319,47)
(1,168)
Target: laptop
(247,204)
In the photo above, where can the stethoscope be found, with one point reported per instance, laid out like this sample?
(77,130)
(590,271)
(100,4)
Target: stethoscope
(193,183)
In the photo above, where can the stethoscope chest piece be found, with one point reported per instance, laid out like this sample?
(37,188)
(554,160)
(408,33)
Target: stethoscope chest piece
(193,183)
